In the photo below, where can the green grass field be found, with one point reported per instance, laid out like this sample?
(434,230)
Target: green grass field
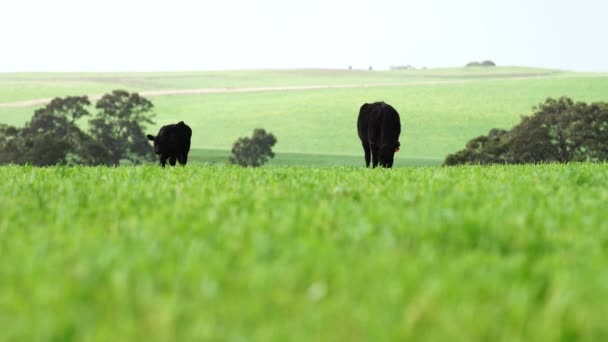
(313,246)
(297,253)
(441,109)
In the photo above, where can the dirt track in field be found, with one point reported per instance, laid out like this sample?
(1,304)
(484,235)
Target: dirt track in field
(204,91)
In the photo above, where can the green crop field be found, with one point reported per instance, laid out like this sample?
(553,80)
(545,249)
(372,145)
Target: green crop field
(299,253)
(440,109)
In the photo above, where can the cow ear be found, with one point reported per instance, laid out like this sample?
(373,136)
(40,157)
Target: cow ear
(150,137)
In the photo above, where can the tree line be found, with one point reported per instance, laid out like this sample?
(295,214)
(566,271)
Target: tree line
(114,134)
(559,131)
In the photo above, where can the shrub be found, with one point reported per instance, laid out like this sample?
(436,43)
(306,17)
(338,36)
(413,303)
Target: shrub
(254,151)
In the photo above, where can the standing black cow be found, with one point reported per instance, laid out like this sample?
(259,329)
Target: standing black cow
(379,128)
(172,142)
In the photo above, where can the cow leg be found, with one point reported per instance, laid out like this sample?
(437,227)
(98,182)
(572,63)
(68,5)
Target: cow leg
(172,160)
(163,161)
(373,136)
(367,152)
(375,153)
(183,159)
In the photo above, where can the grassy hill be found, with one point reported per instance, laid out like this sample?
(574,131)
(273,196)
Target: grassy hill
(24,86)
(440,109)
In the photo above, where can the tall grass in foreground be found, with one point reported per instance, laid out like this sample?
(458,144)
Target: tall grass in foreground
(278,253)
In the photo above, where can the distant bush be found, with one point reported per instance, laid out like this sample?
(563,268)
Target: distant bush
(254,151)
(560,130)
(487,63)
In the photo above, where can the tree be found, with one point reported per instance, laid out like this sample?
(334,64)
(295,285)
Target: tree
(254,151)
(486,63)
(49,137)
(119,127)
(484,149)
(559,130)
(10,148)
(45,149)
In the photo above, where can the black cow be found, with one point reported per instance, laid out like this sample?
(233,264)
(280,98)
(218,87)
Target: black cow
(379,128)
(172,142)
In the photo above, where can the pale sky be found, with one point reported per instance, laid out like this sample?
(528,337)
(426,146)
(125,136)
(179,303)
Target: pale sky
(138,35)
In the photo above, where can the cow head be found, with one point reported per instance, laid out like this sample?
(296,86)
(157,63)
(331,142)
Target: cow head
(157,142)
(387,154)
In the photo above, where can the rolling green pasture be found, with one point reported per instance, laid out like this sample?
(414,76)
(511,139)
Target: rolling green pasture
(298,253)
(436,119)
(441,109)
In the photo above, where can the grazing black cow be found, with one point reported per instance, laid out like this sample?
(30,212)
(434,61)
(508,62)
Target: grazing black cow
(379,128)
(172,142)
